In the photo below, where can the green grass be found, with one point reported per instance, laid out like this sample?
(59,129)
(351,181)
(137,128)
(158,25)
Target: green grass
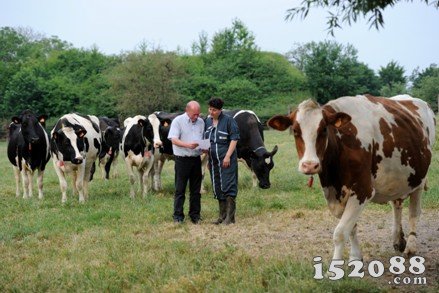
(113,243)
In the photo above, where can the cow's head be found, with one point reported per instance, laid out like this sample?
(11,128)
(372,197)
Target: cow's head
(147,130)
(68,144)
(113,136)
(155,125)
(262,163)
(311,125)
(30,126)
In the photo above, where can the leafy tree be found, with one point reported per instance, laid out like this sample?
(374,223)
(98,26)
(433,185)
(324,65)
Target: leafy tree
(239,91)
(332,70)
(417,76)
(426,85)
(392,73)
(147,82)
(202,46)
(342,12)
(273,74)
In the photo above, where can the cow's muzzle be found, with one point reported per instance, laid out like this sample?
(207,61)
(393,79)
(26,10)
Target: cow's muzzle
(264,185)
(309,168)
(77,161)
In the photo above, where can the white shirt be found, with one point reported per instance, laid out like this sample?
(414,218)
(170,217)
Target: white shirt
(185,130)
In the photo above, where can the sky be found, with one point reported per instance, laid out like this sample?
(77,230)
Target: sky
(410,35)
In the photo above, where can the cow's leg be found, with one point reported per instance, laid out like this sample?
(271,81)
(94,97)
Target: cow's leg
(30,178)
(62,182)
(345,227)
(255,179)
(204,163)
(158,168)
(115,171)
(107,168)
(80,182)
(25,183)
(132,177)
(74,180)
(17,181)
(144,173)
(40,183)
(414,213)
(355,245)
(397,233)
(102,163)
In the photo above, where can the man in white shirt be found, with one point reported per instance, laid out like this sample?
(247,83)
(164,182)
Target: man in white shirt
(185,133)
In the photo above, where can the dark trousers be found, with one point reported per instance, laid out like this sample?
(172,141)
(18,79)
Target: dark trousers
(187,169)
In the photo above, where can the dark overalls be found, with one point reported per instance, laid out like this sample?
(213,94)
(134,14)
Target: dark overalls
(224,180)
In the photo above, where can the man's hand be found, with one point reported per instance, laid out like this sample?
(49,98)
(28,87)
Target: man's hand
(192,145)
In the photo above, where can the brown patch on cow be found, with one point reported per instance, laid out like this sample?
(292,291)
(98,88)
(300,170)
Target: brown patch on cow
(345,162)
(408,137)
(411,107)
(388,143)
(300,144)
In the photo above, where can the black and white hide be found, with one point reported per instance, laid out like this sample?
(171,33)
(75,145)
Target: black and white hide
(28,150)
(76,143)
(111,139)
(137,152)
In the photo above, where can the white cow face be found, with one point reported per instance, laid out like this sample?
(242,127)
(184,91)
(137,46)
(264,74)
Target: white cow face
(69,144)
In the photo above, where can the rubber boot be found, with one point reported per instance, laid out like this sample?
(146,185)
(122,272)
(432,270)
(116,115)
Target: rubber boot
(230,211)
(222,212)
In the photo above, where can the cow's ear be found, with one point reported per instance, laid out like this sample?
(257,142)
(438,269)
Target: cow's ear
(56,134)
(337,119)
(42,119)
(80,132)
(16,120)
(141,122)
(166,122)
(279,122)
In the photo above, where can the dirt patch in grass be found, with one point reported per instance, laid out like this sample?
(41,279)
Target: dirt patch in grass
(304,234)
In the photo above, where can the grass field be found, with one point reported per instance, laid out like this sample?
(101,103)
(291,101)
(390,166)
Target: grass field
(113,243)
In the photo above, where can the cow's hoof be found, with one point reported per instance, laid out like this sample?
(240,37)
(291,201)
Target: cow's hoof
(400,246)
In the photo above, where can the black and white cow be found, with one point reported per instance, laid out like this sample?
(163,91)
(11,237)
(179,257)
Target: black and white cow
(251,148)
(162,145)
(28,150)
(111,139)
(76,143)
(137,152)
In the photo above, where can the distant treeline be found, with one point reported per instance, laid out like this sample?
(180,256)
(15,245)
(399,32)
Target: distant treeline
(50,76)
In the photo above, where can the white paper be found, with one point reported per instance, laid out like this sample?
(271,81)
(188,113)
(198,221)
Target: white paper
(203,144)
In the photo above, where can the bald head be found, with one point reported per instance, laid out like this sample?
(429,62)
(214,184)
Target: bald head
(193,110)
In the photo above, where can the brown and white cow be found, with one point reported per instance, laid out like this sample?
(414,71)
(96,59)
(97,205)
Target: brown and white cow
(365,149)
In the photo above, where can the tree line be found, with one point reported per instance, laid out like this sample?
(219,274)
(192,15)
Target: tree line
(53,77)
